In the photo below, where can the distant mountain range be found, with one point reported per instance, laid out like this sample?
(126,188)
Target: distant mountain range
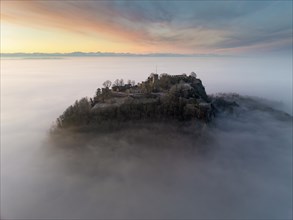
(106,54)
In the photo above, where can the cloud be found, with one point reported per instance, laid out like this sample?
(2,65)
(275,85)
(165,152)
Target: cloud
(190,25)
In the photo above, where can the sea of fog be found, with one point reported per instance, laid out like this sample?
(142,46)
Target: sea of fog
(244,171)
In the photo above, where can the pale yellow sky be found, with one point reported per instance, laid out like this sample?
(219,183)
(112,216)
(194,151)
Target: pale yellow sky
(21,38)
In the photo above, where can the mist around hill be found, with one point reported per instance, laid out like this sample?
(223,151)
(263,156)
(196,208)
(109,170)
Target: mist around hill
(228,166)
(238,166)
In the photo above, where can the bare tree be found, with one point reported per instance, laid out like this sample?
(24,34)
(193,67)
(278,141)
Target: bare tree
(121,82)
(193,74)
(107,83)
(131,82)
(98,92)
(116,82)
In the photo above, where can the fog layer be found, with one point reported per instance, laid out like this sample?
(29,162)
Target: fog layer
(239,166)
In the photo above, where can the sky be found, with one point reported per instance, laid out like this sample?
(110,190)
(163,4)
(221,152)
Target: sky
(181,27)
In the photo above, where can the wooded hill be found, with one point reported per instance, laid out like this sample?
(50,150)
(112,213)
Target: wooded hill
(163,98)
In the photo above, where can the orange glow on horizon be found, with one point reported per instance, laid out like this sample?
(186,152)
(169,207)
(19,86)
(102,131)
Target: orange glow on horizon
(28,27)
(109,26)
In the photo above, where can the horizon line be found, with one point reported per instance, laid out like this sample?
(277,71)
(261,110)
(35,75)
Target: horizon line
(98,54)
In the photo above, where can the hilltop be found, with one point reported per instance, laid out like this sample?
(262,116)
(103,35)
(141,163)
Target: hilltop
(160,98)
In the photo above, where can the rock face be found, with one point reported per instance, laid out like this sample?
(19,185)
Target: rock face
(200,90)
(165,98)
